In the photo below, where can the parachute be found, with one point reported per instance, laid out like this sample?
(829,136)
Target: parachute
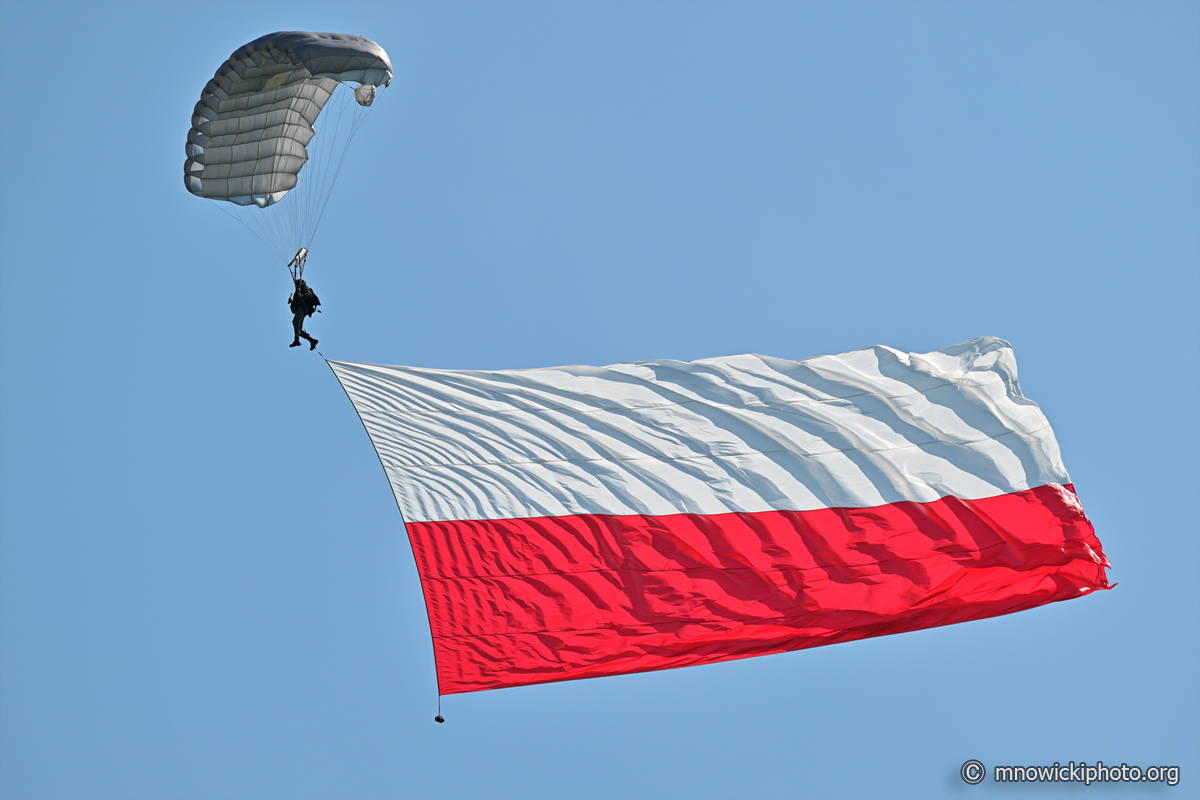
(254,131)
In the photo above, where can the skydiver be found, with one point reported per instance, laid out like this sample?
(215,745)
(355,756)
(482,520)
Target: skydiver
(303,302)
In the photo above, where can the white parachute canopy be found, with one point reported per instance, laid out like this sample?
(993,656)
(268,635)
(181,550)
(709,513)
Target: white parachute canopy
(272,128)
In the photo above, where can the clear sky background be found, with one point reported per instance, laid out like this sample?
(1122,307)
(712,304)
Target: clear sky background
(205,586)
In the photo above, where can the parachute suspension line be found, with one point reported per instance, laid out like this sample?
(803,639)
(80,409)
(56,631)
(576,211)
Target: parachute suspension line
(326,141)
(327,165)
(264,228)
(311,168)
(277,244)
(293,210)
(320,184)
(356,122)
(266,221)
(245,225)
(318,165)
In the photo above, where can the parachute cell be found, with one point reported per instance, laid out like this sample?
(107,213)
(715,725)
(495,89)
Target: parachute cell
(251,128)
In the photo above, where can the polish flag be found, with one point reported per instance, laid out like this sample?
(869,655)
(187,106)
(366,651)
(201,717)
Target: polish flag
(576,522)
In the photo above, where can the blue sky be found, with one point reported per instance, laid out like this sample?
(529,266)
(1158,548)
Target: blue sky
(205,587)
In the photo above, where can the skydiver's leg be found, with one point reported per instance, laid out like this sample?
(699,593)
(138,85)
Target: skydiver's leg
(298,330)
(298,327)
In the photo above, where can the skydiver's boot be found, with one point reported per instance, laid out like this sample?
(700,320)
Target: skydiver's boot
(295,343)
(312,343)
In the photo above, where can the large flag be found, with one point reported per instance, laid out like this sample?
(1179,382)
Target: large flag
(576,522)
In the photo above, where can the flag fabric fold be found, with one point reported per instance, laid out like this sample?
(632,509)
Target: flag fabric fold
(577,522)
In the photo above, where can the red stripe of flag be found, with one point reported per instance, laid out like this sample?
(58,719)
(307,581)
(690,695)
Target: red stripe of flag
(522,601)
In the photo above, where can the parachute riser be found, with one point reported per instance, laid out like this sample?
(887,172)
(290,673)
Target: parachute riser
(296,265)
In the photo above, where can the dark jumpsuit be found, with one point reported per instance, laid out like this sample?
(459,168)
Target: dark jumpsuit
(303,303)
